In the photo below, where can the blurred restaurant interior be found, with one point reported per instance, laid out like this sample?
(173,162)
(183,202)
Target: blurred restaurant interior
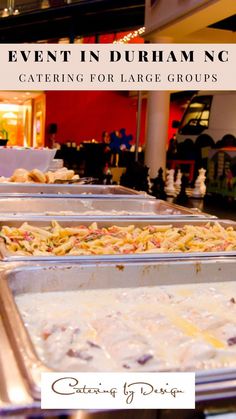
(78,116)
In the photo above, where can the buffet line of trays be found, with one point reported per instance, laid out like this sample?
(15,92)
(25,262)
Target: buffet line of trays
(192,334)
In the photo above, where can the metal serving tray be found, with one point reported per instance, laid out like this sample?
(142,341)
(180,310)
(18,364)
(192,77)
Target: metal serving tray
(125,208)
(107,222)
(52,190)
(211,384)
(14,397)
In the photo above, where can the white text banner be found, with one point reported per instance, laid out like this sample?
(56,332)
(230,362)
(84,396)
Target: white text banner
(117,67)
(118,391)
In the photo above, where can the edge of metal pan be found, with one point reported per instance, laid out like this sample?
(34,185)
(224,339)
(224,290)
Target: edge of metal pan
(106,216)
(71,195)
(31,367)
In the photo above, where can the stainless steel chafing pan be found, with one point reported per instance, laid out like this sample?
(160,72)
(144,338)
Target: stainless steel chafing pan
(96,208)
(14,397)
(65,222)
(52,190)
(217,382)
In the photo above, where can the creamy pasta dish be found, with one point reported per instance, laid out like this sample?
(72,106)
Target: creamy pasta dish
(94,240)
(182,327)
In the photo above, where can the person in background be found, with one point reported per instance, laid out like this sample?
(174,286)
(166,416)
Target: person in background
(115,148)
(125,140)
(106,141)
(52,131)
(172,149)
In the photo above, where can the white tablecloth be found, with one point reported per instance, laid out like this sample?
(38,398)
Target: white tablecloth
(14,158)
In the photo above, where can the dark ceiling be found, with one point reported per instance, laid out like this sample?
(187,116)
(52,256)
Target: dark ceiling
(228,24)
(80,18)
(83,18)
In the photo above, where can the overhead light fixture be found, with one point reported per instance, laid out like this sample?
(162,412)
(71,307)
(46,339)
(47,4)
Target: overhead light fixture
(131,35)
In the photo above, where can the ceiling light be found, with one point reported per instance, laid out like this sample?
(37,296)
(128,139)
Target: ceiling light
(131,35)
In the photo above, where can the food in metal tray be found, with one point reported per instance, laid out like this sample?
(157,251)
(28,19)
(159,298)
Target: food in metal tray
(115,212)
(185,327)
(93,240)
(37,176)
